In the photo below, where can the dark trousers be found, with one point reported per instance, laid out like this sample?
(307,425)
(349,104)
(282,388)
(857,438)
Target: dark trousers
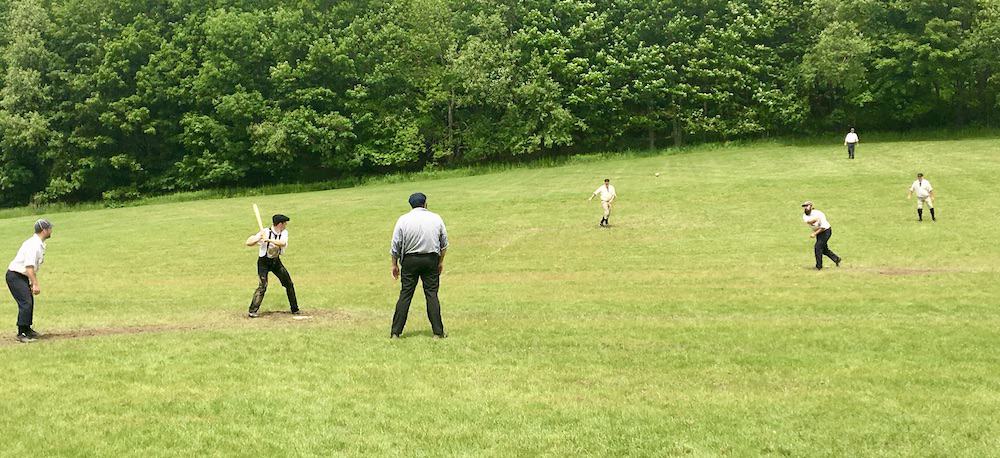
(850,150)
(822,248)
(20,288)
(425,268)
(264,266)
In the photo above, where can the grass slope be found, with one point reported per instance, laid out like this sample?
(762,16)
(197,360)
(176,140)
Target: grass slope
(693,326)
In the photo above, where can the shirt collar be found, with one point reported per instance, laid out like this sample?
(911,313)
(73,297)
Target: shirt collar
(418,209)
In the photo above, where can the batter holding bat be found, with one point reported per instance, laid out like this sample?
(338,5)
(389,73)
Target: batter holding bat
(272,242)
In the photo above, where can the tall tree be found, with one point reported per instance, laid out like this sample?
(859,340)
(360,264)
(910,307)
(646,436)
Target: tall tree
(25,102)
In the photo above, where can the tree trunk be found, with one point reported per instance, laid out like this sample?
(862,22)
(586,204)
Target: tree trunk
(651,136)
(678,134)
(451,122)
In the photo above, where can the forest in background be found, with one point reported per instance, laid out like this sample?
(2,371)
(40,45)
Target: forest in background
(118,99)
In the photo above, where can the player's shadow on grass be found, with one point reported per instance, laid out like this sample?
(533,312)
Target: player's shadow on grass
(277,313)
(425,334)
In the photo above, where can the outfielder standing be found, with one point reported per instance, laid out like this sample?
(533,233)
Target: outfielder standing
(608,195)
(22,278)
(925,193)
(821,232)
(850,140)
(272,242)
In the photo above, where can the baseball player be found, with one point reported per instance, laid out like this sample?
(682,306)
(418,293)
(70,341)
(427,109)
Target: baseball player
(608,195)
(925,193)
(272,242)
(821,232)
(850,140)
(22,278)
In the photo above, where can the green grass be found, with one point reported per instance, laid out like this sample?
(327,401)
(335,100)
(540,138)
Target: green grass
(693,326)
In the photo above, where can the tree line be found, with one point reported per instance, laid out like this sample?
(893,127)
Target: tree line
(116,99)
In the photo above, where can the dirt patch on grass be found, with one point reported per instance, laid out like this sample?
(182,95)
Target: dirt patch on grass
(283,315)
(268,317)
(75,334)
(901,271)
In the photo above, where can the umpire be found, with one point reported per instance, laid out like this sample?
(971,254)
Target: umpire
(22,278)
(419,243)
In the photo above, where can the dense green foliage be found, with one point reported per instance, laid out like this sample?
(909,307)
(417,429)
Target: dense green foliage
(118,98)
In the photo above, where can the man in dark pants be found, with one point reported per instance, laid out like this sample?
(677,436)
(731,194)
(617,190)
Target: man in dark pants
(22,278)
(821,232)
(850,141)
(419,243)
(272,242)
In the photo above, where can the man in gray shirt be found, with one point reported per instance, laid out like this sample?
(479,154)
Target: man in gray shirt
(419,243)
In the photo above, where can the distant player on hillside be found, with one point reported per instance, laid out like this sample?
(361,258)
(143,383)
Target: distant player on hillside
(925,193)
(608,195)
(850,141)
(272,242)
(821,232)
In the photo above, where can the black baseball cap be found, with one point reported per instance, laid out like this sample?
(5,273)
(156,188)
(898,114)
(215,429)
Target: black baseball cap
(417,199)
(279,218)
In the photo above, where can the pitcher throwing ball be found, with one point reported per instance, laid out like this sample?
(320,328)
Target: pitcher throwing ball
(925,193)
(608,195)
(22,278)
(272,242)
(821,232)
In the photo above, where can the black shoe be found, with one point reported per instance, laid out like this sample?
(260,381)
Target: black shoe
(295,311)
(253,315)
(394,336)
(837,262)
(31,333)
(24,338)
(439,336)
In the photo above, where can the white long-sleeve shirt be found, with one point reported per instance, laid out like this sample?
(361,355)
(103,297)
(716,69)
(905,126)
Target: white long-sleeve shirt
(271,250)
(851,138)
(31,254)
(922,188)
(607,192)
(820,218)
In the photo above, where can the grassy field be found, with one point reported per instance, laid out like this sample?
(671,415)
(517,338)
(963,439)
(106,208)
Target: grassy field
(695,325)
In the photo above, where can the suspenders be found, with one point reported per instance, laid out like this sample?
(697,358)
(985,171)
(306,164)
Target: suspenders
(267,246)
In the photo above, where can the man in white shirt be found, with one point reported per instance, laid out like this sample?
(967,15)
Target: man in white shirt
(272,243)
(419,243)
(821,231)
(925,193)
(22,278)
(608,195)
(850,141)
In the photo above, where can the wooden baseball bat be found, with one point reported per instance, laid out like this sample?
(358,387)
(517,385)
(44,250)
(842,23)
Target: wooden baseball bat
(256,212)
